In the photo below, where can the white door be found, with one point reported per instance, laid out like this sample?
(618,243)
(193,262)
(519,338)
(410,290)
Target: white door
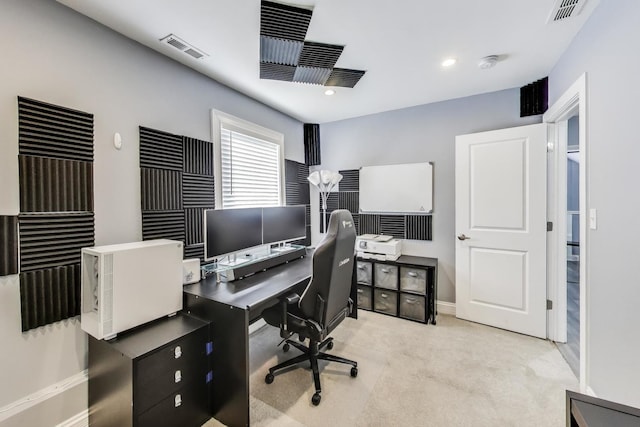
(501,228)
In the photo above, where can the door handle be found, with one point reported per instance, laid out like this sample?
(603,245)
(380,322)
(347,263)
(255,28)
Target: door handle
(463,237)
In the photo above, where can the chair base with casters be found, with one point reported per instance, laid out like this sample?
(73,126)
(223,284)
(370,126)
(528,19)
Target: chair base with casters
(313,353)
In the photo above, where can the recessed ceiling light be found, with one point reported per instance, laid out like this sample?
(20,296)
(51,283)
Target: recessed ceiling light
(448,62)
(329,92)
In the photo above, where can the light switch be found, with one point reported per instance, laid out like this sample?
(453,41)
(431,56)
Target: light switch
(593,220)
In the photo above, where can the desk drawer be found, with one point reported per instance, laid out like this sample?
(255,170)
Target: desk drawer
(385,302)
(386,276)
(413,280)
(178,355)
(412,307)
(364,297)
(186,407)
(364,272)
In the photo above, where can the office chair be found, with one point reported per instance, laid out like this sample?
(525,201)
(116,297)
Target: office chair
(324,303)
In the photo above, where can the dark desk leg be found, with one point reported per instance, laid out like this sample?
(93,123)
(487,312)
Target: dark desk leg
(230,359)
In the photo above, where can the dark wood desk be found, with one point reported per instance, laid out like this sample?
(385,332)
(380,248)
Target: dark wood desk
(588,411)
(231,307)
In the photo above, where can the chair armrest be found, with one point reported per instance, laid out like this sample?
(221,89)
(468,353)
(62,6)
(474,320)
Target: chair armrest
(285,302)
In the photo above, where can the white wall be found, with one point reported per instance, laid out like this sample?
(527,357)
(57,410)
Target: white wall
(51,53)
(420,134)
(607,50)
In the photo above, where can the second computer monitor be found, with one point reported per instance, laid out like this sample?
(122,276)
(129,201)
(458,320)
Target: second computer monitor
(231,230)
(283,223)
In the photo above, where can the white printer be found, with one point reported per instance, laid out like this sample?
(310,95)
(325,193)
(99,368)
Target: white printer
(378,246)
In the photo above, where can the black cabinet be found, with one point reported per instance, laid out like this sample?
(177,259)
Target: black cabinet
(155,375)
(405,288)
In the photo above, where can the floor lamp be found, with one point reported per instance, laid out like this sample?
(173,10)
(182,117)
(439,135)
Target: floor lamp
(324,181)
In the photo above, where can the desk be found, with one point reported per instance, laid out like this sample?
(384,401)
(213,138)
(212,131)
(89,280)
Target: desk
(231,307)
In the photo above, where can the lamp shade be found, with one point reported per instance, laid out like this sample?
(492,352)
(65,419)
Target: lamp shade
(314,178)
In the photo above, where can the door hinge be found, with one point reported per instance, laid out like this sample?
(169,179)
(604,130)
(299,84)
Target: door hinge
(549,304)
(549,226)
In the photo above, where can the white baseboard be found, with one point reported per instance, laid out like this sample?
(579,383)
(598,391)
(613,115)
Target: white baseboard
(444,307)
(40,396)
(78,420)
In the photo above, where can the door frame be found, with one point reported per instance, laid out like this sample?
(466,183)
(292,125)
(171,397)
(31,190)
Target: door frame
(572,101)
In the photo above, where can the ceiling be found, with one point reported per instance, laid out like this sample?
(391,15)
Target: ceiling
(400,44)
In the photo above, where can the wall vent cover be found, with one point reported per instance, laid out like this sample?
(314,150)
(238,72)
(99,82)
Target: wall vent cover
(564,9)
(183,46)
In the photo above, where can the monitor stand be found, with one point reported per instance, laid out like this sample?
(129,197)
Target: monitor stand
(233,262)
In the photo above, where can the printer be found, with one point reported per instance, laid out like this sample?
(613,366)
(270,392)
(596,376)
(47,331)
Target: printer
(378,246)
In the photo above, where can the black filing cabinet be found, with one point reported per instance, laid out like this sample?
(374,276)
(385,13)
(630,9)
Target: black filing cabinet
(155,375)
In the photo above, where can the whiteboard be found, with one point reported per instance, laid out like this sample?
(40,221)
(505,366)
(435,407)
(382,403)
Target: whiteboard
(397,188)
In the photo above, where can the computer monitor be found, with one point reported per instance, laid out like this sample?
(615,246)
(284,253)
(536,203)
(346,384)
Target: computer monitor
(283,223)
(231,230)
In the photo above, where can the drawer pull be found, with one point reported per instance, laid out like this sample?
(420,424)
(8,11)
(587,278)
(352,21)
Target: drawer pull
(177,352)
(360,267)
(360,291)
(384,270)
(413,274)
(177,401)
(178,376)
(383,295)
(411,300)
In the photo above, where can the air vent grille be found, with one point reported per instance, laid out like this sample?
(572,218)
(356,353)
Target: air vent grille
(564,9)
(183,46)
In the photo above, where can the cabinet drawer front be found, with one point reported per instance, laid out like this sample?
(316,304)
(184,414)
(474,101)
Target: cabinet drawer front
(413,280)
(364,297)
(412,307)
(364,272)
(386,276)
(385,302)
(149,393)
(188,350)
(186,407)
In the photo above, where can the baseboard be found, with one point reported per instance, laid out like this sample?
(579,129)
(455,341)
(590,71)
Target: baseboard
(78,420)
(444,307)
(40,396)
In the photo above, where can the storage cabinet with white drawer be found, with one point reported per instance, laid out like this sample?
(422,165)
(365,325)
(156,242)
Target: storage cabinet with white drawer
(155,375)
(405,288)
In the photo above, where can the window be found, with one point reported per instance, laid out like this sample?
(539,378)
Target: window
(249,163)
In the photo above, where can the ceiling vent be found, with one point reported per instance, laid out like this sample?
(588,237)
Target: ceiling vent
(565,9)
(183,46)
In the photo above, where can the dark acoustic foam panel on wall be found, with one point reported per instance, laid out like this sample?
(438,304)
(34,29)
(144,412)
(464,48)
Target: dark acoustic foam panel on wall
(49,295)
(194,225)
(48,130)
(312,144)
(55,185)
(349,200)
(350,180)
(534,98)
(161,189)
(163,225)
(282,21)
(297,192)
(311,75)
(160,150)
(53,239)
(419,227)
(319,55)
(344,77)
(194,251)
(198,191)
(198,156)
(392,225)
(280,51)
(369,224)
(8,245)
(277,72)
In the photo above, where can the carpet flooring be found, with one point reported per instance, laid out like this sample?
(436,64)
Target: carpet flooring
(457,373)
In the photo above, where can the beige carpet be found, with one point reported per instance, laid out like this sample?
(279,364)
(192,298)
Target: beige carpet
(454,374)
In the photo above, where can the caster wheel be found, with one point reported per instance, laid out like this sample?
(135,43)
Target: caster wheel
(433,323)
(268,379)
(330,345)
(286,347)
(354,372)
(316,399)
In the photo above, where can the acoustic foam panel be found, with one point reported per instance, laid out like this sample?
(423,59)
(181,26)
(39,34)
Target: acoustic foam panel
(197,156)
(47,130)
(297,192)
(194,251)
(281,21)
(49,295)
(534,98)
(311,144)
(53,239)
(369,224)
(198,191)
(160,150)
(163,225)
(350,180)
(161,189)
(55,185)
(8,245)
(349,200)
(392,225)
(194,225)
(419,227)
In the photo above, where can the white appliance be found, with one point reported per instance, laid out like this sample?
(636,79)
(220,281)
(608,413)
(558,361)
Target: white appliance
(129,284)
(379,247)
(190,271)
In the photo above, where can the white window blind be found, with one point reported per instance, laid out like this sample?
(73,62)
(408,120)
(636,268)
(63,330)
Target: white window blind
(250,170)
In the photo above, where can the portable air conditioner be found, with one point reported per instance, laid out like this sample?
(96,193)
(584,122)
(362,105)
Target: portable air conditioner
(129,284)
